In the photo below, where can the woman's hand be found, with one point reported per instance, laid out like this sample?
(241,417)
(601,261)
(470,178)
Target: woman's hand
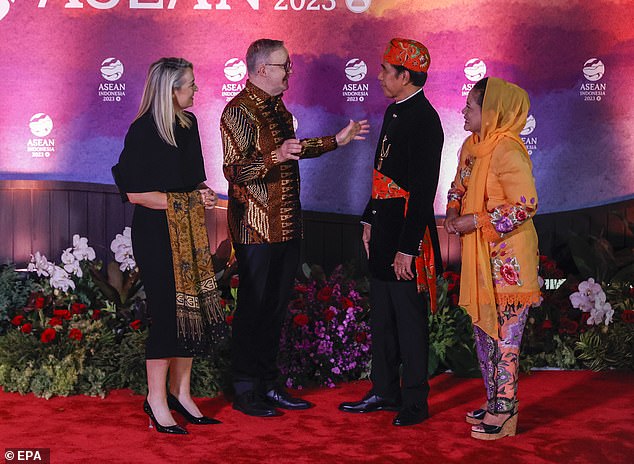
(209,198)
(465,224)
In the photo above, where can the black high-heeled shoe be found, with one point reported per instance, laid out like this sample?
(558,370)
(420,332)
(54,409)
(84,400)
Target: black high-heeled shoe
(176,405)
(173,429)
(494,432)
(476,416)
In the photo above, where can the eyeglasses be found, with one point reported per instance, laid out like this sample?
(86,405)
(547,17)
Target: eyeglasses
(288,66)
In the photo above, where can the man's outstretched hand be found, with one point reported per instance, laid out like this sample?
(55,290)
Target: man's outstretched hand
(355,130)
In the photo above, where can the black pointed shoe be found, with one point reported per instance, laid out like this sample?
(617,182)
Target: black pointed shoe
(173,429)
(176,405)
(411,415)
(370,403)
(279,398)
(251,404)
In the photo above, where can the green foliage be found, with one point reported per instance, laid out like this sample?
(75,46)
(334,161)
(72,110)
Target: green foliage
(451,344)
(608,348)
(14,292)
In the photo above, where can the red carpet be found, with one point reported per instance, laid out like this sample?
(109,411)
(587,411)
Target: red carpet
(565,417)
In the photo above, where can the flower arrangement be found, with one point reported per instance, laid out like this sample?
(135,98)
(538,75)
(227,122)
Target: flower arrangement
(579,324)
(326,336)
(65,330)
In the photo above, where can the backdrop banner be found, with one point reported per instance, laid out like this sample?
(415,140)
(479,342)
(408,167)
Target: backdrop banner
(74,71)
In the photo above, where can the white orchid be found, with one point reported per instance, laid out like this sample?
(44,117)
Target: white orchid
(40,264)
(121,246)
(71,263)
(61,280)
(81,250)
(592,299)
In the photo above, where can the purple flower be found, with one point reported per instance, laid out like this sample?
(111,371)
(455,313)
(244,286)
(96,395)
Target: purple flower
(504,225)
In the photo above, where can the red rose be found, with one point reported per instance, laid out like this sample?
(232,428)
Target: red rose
(521,215)
(135,324)
(300,288)
(48,335)
(55,321)
(628,316)
(17,320)
(547,324)
(329,314)
(26,328)
(223,302)
(360,337)
(78,308)
(346,303)
(509,274)
(96,314)
(75,334)
(61,313)
(229,319)
(324,294)
(39,302)
(300,320)
(235,281)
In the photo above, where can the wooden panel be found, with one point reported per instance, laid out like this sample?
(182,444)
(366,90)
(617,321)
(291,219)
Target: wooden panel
(22,226)
(115,213)
(6,225)
(41,222)
(60,234)
(43,215)
(78,214)
(96,224)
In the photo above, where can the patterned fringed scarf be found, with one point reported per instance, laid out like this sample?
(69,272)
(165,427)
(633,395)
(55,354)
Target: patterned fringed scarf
(199,318)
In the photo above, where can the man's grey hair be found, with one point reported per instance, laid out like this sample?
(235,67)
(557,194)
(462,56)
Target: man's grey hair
(259,51)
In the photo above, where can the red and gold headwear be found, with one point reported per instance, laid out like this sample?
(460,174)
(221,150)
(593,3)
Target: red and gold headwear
(408,53)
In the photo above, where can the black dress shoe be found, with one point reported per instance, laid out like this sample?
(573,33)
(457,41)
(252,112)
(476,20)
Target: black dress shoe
(252,405)
(176,405)
(370,403)
(279,398)
(411,415)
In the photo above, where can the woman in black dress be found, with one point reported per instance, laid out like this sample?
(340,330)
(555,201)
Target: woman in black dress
(161,171)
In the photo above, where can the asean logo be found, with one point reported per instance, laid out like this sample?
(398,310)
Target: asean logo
(235,70)
(40,124)
(356,70)
(530,126)
(593,69)
(475,69)
(111,69)
(4,8)
(358,6)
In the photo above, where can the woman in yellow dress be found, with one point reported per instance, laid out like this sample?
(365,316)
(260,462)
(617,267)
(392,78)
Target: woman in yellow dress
(491,204)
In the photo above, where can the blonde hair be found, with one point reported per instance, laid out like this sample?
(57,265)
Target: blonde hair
(158,96)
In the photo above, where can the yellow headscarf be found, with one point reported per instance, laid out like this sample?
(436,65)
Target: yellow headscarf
(504,112)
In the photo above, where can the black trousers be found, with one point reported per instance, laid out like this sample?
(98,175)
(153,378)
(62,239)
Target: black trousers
(400,337)
(267,273)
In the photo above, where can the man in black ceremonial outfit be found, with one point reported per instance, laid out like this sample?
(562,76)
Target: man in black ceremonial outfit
(399,234)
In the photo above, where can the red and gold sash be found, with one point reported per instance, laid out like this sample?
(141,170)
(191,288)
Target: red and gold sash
(382,188)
